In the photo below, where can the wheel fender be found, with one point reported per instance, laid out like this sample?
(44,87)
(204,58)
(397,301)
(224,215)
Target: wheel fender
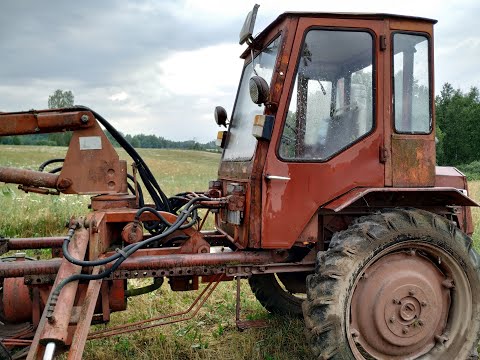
(384,197)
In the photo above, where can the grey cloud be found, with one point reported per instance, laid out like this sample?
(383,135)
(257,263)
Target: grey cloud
(94,41)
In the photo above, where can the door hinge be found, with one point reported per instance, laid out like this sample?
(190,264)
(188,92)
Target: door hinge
(383,42)
(383,154)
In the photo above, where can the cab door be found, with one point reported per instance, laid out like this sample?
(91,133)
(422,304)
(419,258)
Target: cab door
(412,119)
(328,135)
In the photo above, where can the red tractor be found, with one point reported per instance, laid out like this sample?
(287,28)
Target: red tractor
(327,187)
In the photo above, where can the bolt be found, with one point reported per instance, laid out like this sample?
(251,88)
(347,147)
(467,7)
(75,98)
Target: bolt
(411,292)
(448,283)
(247,269)
(28,281)
(231,271)
(396,301)
(64,183)
(405,330)
(84,119)
(392,319)
(355,335)
(442,339)
(423,303)
(420,322)
(410,307)
(37,129)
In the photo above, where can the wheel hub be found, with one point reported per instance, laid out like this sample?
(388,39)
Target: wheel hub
(404,315)
(398,306)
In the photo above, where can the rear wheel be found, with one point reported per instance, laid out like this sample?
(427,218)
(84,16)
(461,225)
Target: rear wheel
(395,285)
(280,293)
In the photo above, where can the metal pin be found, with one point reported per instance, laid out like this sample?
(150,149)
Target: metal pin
(49,351)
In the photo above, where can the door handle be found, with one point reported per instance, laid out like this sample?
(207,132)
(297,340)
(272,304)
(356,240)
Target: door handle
(276,177)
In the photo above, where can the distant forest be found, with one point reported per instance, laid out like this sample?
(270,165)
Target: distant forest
(137,141)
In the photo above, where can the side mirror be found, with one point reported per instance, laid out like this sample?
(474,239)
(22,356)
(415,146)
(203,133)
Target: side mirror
(259,90)
(220,116)
(247,28)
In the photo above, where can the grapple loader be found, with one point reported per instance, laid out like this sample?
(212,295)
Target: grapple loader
(327,186)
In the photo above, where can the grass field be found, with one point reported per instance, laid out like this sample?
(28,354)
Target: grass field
(210,335)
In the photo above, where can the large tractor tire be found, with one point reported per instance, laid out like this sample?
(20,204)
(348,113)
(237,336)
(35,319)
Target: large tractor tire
(400,284)
(274,296)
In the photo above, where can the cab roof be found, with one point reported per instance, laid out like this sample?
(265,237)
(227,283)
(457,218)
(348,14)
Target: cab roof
(342,15)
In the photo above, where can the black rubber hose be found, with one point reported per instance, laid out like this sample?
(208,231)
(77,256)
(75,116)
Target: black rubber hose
(121,257)
(128,249)
(56,170)
(157,283)
(48,162)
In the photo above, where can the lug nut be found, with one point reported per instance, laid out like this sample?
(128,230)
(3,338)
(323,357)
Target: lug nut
(420,322)
(442,339)
(405,330)
(411,292)
(423,303)
(355,335)
(396,301)
(392,319)
(448,283)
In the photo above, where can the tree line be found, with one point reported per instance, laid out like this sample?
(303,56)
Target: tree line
(137,141)
(458,130)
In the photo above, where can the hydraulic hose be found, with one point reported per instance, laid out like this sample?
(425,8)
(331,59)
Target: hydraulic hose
(120,257)
(48,162)
(177,225)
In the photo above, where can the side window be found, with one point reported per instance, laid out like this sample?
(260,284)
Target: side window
(331,102)
(411,84)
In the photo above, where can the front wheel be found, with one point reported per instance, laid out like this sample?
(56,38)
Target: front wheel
(401,284)
(280,294)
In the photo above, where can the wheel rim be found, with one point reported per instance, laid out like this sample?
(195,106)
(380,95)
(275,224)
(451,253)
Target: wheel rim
(404,303)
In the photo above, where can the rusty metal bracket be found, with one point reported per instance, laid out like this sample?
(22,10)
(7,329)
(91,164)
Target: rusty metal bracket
(160,320)
(43,279)
(160,272)
(38,190)
(230,271)
(248,270)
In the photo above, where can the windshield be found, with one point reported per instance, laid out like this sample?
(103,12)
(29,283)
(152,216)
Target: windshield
(241,143)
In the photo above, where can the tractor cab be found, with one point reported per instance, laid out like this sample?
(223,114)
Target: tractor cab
(327,105)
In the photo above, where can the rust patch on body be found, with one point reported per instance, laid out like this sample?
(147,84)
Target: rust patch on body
(413,161)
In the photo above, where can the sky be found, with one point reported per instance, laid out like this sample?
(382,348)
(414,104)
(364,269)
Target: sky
(160,67)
